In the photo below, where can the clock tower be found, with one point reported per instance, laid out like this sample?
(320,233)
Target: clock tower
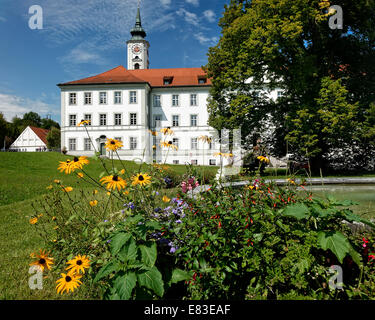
(138,46)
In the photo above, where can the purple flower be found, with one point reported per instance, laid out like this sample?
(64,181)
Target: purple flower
(108,241)
(178,221)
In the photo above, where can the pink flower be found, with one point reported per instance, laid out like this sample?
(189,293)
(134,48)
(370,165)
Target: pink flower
(183,187)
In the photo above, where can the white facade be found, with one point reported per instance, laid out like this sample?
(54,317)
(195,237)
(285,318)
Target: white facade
(28,141)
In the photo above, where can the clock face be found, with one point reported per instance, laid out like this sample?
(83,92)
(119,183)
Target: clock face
(137,49)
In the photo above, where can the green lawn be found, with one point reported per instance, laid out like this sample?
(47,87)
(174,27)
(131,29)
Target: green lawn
(24,178)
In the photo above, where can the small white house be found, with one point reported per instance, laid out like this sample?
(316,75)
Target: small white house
(32,139)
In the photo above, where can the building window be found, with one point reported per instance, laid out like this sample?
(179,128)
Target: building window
(175,142)
(103,119)
(193,120)
(103,98)
(87,117)
(133,97)
(194,162)
(133,143)
(88,98)
(157,102)
(72,144)
(176,161)
(133,119)
(193,99)
(157,120)
(175,121)
(175,100)
(72,120)
(194,143)
(212,162)
(118,119)
(87,144)
(136,66)
(118,97)
(72,99)
(202,80)
(118,139)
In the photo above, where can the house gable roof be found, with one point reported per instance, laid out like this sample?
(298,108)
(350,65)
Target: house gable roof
(153,77)
(41,133)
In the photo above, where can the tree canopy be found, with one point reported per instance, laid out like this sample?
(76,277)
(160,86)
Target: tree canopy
(327,75)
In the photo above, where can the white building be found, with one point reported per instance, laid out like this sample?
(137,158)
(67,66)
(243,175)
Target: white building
(126,104)
(32,139)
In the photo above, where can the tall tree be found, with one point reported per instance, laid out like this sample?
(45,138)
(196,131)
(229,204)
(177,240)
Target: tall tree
(328,76)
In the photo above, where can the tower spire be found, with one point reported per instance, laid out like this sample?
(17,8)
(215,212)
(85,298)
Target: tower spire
(138,33)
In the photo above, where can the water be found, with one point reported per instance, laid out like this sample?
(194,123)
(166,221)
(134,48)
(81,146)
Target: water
(362,194)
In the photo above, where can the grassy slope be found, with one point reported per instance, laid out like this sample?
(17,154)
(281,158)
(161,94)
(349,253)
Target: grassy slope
(24,178)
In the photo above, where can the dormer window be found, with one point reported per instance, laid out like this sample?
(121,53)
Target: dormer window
(202,79)
(167,80)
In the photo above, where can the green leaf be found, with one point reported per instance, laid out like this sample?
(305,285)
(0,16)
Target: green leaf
(125,284)
(118,241)
(106,270)
(152,279)
(298,210)
(355,256)
(148,254)
(336,242)
(180,275)
(129,250)
(350,216)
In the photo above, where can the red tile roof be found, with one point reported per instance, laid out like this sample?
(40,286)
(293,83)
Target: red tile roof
(41,133)
(154,77)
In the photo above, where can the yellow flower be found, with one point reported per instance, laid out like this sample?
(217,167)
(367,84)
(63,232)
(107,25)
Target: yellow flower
(55,228)
(216,154)
(122,171)
(113,144)
(168,144)
(250,187)
(68,282)
(53,218)
(84,123)
(40,215)
(166,199)
(71,165)
(114,182)
(56,181)
(44,261)
(154,133)
(263,159)
(142,179)
(167,131)
(290,181)
(205,139)
(33,220)
(93,203)
(68,189)
(95,192)
(80,175)
(126,192)
(49,187)
(78,264)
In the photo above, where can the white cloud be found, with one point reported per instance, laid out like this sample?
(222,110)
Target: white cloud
(193,2)
(79,55)
(189,17)
(12,105)
(209,15)
(204,40)
(165,2)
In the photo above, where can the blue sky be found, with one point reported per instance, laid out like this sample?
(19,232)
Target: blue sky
(87,37)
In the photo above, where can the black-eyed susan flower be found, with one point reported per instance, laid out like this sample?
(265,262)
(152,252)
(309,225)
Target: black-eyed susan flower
(113,144)
(80,175)
(167,131)
(43,260)
(56,181)
(79,162)
(78,264)
(95,192)
(168,144)
(205,139)
(66,166)
(122,171)
(142,179)
(68,189)
(154,133)
(84,123)
(68,282)
(93,203)
(263,159)
(33,220)
(166,199)
(114,182)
